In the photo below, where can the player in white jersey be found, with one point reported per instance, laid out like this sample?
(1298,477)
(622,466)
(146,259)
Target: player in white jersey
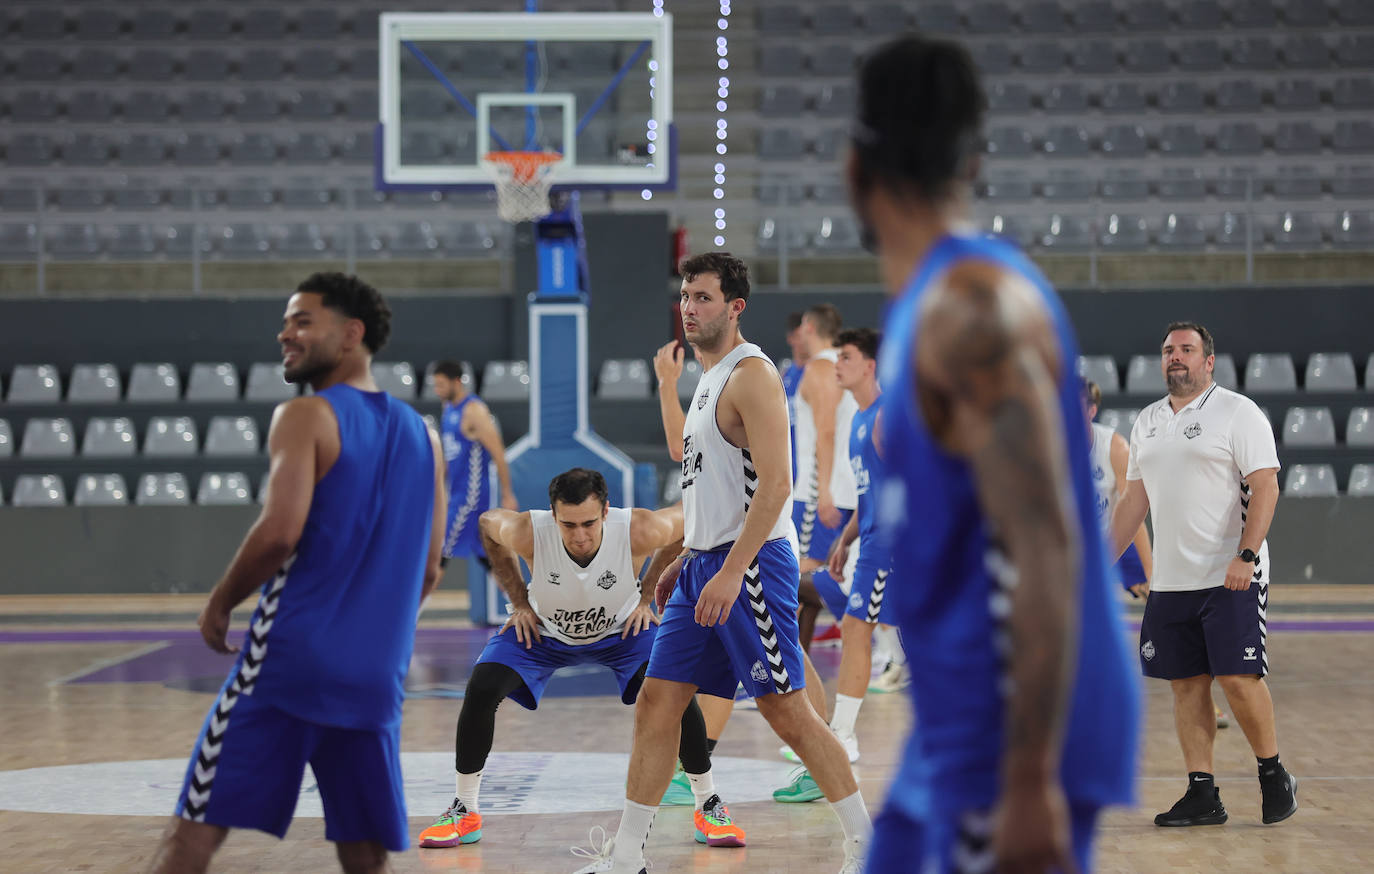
(731,599)
(584,604)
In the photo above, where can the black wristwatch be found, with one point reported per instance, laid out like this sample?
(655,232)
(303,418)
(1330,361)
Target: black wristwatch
(1248,555)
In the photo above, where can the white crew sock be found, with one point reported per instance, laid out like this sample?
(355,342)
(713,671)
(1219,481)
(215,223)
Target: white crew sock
(853,818)
(846,713)
(632,835)
(703,787)
(469,785)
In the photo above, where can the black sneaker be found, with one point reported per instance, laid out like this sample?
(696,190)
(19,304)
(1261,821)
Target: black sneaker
(1200,805)
(1280,797)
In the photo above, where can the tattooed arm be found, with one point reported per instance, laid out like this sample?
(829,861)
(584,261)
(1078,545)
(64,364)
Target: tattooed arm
(987,358)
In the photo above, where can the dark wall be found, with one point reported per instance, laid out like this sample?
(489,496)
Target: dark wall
(127,550)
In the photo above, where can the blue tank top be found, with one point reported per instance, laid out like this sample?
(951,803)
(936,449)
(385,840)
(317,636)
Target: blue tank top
(340,632)
(954,579)
(467,460)
(791,381)
(869,471)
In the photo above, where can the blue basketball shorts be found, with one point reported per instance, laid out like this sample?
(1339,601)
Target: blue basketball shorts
(758,644)
(957,842)
(865,599)
(537,664)
(813,536)
(1214,631)
(247,765)
(1129,567)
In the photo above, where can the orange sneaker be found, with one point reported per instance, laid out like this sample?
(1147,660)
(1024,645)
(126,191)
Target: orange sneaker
(455,826)
(715,827)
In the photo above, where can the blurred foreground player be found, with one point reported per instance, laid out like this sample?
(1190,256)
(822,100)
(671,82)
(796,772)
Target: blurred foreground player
(348,542)
(1027,711)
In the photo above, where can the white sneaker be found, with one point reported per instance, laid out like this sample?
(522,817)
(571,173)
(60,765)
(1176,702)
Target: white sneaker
(851,749)
(600,853)
(854,853)
(894,678)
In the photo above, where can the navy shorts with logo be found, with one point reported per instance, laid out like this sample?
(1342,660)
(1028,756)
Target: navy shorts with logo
(1214,631)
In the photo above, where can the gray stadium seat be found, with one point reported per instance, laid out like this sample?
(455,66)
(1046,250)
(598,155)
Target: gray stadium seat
(170,437)
(1238,95)
(74,242)
(153,383)
(1297,182)
(1356,137)
(1182,231)
(1044,56)
(1361,484)
(253,148)
(34,384)
(1356,13)
(1270,372)
(34,106)
(1146,16)
(1200,15)
(224,489)
(153,24)
(779,19)
(319,23)
(1112,419)
(208,24)
(1067,232)
(1353,181)
(989,18)
(837,234)
(1297,95)
(41,23)
(6,439)
(162,489)
(1142,375)
(396,378)
(782,144)
(1253,13)
(19,242)
(1330,371)
(687,383)
(1044,17)
(1123,98)
(1124,141)
(1146,56)
(994,58)
(314,105)
(263,23)
(1309,426)
(1125,232)
(1224,371)
(266,383)
(39,490)
(1095,16)
(241,240)
(303,241)
(1298,230)
(1181,97)
(107,437)
(151,107)
(781,60)
(317,65)
(1354,229)
(833,59)
(79,194)
(1237,183)
(48,438)
(1305,14)
(1351,92)
(1310,481)
(1233,231)
(626,378)
(132,242)
(785,191)
(257,105)
(30,150)
(249,193)
(212,381)
(1066,141)
(100,490)
(1009,142)
(1359,428)
(1093,57)
(45,65)
(201,105)
(1008,98)
(1201,56)
(146,150)
(18,198)
(937,18)
(413,239)
(1239,138)
(1101,369)
(232,435)
(1068,98)
(1254,53)
(795,232)
(1125,183)
(262,65)
(1008,185)
(1014,229)
(1181,141)
(885,18)
(1297,138)
(506,381)
(150,65)
(782,101)
(87,150)
(94,383)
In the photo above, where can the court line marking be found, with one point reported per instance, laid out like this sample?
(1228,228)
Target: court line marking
(111,662)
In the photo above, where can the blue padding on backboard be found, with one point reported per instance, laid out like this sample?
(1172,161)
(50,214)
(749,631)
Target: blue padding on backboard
(619,77)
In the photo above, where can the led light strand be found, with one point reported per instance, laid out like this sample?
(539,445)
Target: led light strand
(722,124)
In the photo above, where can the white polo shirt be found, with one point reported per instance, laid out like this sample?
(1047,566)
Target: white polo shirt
(1194,463)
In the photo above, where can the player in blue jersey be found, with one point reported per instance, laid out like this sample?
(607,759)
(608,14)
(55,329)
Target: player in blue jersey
(472,444)
(346,545)
(1027,711)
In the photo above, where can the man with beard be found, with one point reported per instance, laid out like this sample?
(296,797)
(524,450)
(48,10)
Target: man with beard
(1204,465)
(731,598)
(348,542)
(472,443)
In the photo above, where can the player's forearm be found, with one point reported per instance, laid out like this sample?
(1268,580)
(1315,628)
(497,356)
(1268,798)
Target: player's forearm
(659,561)
(502,472)
(670,410)
(1127,519)
(259,558)
(505,567)
(825,462)
(851,530)
(1264,499)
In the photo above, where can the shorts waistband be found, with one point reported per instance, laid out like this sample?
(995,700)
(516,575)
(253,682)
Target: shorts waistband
(726,547)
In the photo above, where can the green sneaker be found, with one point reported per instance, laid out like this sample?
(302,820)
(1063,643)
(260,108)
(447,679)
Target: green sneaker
(802,789)
(679,791)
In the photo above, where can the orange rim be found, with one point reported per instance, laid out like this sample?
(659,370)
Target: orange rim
(524,165)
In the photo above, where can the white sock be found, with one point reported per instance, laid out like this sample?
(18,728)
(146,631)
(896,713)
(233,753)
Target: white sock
(853,818)
(469,785)
(633,834)
(703,787)
(891,643)
(846,713)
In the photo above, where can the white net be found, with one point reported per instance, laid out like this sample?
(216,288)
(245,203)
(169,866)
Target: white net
(522,180)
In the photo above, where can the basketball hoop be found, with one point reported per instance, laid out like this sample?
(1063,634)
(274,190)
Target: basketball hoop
(522,180)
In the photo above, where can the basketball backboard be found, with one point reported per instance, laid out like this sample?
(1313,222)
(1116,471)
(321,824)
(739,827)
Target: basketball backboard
(594,87)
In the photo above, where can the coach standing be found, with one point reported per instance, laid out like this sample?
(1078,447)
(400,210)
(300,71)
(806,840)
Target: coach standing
(1203,460)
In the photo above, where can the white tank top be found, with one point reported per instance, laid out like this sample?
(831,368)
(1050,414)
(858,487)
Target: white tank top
(1104,475)
(580,605)
(718,478)
(843,488)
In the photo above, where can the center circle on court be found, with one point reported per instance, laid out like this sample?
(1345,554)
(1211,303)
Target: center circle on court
(512,783)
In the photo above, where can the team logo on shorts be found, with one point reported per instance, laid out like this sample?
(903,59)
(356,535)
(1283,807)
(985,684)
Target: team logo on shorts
(1099,473)
(553,578)
(1192,430)
(855,600)
(1147,650)
(701,400)
(607,580)
(758,672)
(1249,654)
